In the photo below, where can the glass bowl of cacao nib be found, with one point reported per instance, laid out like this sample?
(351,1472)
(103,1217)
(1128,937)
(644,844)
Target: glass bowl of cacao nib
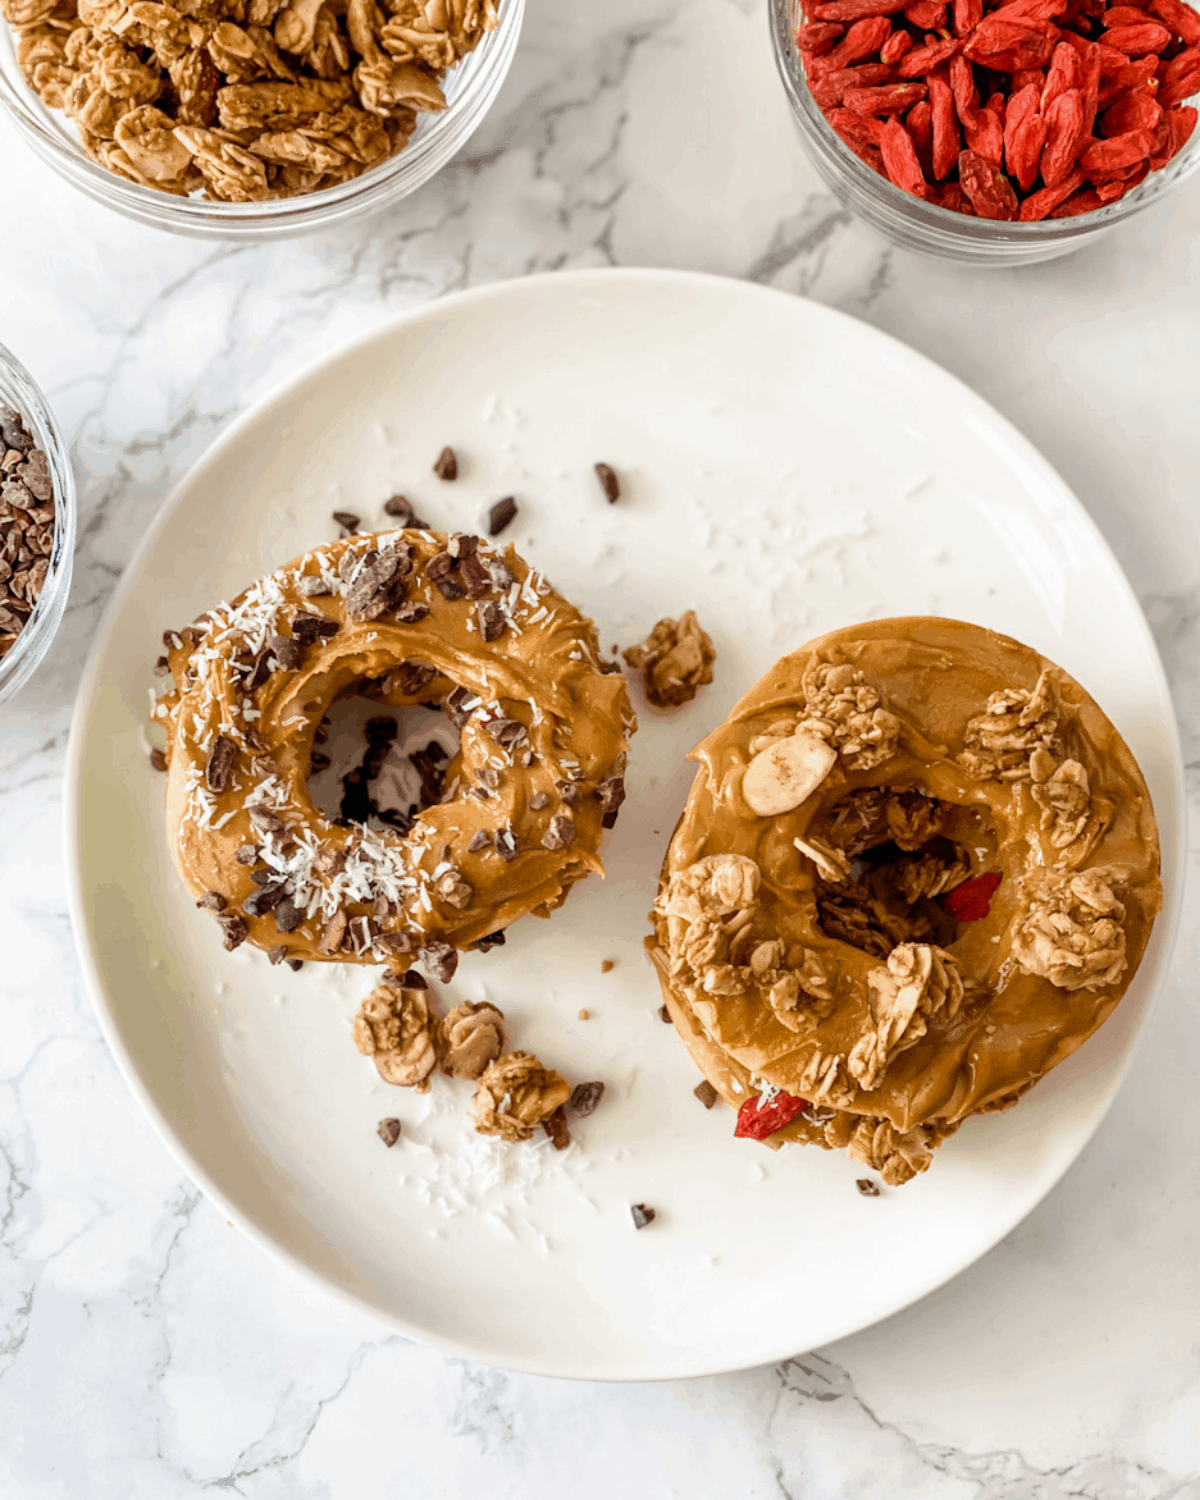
(37,526)
(935,120)
(261,120)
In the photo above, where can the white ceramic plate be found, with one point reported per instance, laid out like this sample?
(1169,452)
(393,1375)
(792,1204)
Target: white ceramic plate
(786,470)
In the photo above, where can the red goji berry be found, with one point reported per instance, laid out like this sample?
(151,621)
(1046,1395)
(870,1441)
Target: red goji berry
(1008,45)
(831,90)
(1086,201)
(967,15)
(1063,74)
(756,1123)
(1131,112)
(922,60)
(865,130)
(1181,78)
(972,900)
(965,90)
(887,99)
(1136,41)
(1137,78)
(990,192)
(1182,19)
(1122,151)
(855,10)
(895,47)
(946,140)
(1181,122)
(926,15)
(987,137)
(900,159)
(819,37)
(863,38)
(1024,136)
(952,197)
(1125,15)
(1064,137)
(1041,204)
(1023,77)
(1030,10)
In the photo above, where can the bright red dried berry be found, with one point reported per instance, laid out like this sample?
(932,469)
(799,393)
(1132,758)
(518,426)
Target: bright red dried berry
(965,90)
(1125,15)
(1031,10)
(987,137)
(900,159)
(1064,136)
(1008,45)
(1086,201)
(922,60)
(887,99)
(926,15)
(863,38)
(855,10)
(895,47)
(946,142)
(1024,136)
(1062,75)
(1041,205)
(854,129)
(1182,19)
(1122,151)
(1136,41)
(756,1124)
(831,90)
(1133,112)
(990,192)
(819,37)
(967,15)
(971,901)
(1181,78)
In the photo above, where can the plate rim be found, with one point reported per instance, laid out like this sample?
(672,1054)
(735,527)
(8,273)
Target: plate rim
(73,811)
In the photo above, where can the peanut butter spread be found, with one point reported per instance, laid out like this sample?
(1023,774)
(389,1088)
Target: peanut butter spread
(917,869)
(403,617)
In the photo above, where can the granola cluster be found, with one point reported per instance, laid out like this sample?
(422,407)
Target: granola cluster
(26,526)
(243,100)
(675,660)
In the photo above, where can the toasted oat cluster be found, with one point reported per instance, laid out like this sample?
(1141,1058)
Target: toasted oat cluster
(675,659)
(243,100)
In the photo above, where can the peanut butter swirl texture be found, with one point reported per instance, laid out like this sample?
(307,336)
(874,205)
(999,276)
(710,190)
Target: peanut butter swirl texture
(402,617)
(917,869)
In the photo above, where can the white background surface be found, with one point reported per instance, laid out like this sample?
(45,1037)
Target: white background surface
(145,1348)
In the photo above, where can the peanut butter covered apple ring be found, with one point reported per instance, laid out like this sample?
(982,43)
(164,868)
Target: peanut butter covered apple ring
(403,617)
(917,869)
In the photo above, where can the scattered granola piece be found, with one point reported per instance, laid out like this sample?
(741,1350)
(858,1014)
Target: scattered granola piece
(607,966)
(675,659)
(585,1015)
(515,1094)
(469,1038)
(447,464)
(394,1026)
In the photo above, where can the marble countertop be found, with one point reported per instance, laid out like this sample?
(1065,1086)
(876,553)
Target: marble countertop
(146,1348)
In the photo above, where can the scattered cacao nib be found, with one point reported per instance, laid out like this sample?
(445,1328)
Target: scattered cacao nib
(413,979)
(295,964)
(263,876)
(389,1131)
(474,577)
(506,732)
(236,932)
(449,589)
(447,464)
(481,840)
(247,854)
(642,1214)
(335,932)
(455,891)
(502,575)
(264,900)
(560,834)
(318,761)
(399,943)
(664,1015)
(489,777)
(277,954)
(401,507)
(462,545)
(609,482)
(409,614)
(454,706)
(867,1188)
(440,958)
(441,565)
(162,667)
(355,805)
(212,901)
(538,801)
(288,915)
(611,793)
(379,585)
(557,1129)
(492,623)
(585,1097)
(492,940)
(506,844)
(412,678)
(308,628)
(288,652)
(501,515)
(219,767)
(268,822)
(348,521)
(706,1094)
(158,761)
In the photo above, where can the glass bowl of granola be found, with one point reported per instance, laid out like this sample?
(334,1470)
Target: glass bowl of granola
(986,201)
(37,525)
(251,119)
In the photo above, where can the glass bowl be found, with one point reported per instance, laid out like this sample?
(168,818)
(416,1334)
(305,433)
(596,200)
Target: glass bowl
(470,90)
(18,391)
(915,225)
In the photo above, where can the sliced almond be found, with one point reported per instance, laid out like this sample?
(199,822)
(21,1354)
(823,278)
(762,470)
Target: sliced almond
(783,775)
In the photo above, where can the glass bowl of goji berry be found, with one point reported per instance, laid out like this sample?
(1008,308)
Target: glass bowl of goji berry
(37,525)
(994,131)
